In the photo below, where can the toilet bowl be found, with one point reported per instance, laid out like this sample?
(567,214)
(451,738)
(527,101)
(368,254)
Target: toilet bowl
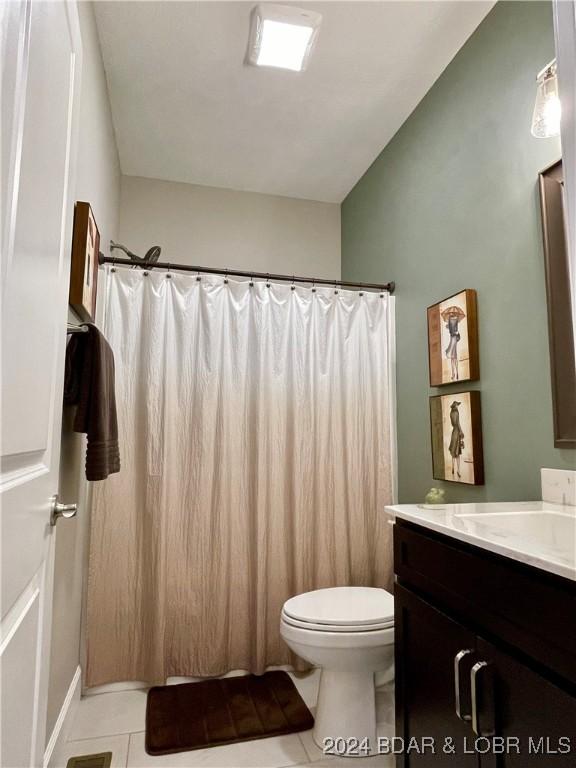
(348,632)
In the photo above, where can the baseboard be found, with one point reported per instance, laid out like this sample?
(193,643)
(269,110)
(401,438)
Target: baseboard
(64,721)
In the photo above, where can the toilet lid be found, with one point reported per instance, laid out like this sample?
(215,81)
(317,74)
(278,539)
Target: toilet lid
(388,624)
(342,606)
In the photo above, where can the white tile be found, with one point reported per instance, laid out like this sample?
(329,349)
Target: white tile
(558,486)
(178,680)
(275,752)
(307,685)
(312,750)
(128,685)
(118,745)
(108,714)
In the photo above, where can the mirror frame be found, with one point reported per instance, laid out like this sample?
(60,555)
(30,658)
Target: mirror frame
(559,302)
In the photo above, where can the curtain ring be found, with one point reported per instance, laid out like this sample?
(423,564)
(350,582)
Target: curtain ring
(335,288)
(313,287)
(251,283)
(267,279)
(225,277)
(168,275)
(198,277)
(113,267)
(292,287)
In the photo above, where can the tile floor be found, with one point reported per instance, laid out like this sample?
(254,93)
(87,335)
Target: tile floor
(114,722)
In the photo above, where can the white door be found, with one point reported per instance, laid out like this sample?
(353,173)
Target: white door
(41,68)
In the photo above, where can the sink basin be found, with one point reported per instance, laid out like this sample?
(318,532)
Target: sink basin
(549,527)
(538,533)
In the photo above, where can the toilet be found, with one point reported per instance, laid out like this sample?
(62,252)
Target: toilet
(348,632)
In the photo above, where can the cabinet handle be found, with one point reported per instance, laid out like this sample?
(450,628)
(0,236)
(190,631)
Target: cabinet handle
(482,685)
(462,676)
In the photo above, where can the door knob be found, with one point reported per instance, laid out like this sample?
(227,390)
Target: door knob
(61,510)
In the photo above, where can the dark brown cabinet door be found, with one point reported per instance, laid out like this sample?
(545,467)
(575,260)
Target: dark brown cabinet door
(536,718)
(427,643)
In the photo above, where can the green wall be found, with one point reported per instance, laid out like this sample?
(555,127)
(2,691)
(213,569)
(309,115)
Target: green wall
(452,203)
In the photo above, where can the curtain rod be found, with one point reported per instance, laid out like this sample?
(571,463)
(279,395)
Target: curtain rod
(389,287)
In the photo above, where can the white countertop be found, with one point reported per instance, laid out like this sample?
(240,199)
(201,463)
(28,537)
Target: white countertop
(537,533)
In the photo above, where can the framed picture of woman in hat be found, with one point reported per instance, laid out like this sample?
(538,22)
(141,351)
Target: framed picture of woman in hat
(453,339)
(456,427)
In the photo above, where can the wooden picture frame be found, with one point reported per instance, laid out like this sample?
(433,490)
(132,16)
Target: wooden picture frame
(84,264)
(456,434)
(453,354)
(559,304)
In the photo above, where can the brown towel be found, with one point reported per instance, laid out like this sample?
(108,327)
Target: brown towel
(89,384)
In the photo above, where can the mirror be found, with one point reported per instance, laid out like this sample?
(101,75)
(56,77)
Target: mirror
(559,300)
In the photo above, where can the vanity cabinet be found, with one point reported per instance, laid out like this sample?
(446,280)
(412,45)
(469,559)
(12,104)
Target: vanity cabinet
(485,657)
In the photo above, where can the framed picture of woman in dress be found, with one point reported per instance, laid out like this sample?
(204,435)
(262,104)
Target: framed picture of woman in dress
(453,339)
(456,427)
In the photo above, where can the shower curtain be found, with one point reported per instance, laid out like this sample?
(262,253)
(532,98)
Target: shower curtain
(256,433)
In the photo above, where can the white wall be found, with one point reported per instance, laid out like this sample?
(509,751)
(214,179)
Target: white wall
(207,226)
(203,225)
(98,182)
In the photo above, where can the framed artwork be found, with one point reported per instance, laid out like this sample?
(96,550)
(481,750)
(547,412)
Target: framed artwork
(84,266)
(453,339)
(456,429)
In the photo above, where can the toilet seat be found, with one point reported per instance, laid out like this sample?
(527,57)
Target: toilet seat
(337,627)
(341,609)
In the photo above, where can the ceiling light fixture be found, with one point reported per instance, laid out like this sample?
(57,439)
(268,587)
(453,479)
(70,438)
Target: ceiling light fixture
(547,110)
(282,36)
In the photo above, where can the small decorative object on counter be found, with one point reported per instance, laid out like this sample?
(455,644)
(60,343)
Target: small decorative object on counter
(435,496)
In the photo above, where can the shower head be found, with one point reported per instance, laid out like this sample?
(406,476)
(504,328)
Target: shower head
(152,254)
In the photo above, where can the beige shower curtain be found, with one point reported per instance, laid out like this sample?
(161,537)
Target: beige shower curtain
(257,458)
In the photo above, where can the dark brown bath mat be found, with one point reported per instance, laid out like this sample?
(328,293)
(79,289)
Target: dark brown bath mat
(214,712)
(101,760)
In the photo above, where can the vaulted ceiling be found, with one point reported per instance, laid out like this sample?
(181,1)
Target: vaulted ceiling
(187,108)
